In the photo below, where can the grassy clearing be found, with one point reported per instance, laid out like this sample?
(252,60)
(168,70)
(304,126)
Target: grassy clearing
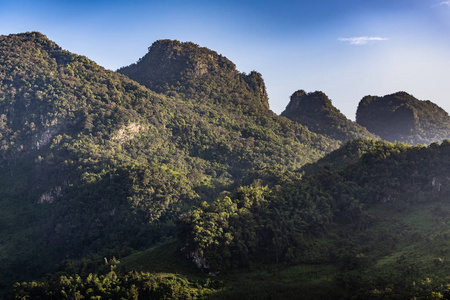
(261,281)
(163,258)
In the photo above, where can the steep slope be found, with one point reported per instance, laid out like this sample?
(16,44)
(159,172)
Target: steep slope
(315,111)
(197,72)
(74,179)
(401,117)
(210,84)
(92,161)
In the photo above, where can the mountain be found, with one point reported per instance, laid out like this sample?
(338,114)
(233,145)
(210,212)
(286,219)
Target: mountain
(210,85)
(93,163)
(197,72)
(316,111)
(114,188)
(401,117)
(74,140)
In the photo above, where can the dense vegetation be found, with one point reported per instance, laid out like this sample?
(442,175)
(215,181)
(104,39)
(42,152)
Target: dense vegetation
(132,285)
(373,227)
(275,223)
(316,111)
(339,215)
(95,165)
(401,117)
(92,161)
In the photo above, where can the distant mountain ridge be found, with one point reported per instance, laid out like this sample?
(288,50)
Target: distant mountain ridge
(401,117)
(316,111)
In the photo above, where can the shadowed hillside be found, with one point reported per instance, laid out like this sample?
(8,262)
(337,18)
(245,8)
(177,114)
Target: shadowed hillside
(315,111)
(401,117)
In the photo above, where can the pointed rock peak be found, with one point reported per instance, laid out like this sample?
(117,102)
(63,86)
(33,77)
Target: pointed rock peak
(316,111)
(302,101)
(298,94)
(256,83)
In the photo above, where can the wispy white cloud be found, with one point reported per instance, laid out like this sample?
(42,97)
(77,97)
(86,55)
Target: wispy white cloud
(443,3)
(362,40)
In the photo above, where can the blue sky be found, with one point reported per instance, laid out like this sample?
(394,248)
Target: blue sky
(347,49)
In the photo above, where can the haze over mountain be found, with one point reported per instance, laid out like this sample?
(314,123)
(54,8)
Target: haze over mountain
(401,117)
(316,111)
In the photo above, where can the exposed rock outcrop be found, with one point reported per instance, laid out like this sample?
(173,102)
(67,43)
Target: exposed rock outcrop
(49,197)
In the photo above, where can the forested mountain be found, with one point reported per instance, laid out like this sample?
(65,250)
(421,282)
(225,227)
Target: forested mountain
(401,117)
(198,73)
(316,111)
(210,85)
(92,161)
(133,190)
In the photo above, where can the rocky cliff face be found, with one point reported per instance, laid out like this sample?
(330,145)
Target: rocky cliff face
(317,112)
(401,117)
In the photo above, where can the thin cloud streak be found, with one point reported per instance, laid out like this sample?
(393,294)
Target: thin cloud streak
(363,40)
(442,3)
